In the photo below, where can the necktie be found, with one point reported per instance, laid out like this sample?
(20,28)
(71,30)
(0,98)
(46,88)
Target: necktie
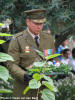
(37,40)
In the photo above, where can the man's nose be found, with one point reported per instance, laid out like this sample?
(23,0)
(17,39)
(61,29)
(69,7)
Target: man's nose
(39,26)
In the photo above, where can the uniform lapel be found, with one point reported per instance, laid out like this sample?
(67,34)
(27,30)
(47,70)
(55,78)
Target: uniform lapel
(30,39)
(42,42)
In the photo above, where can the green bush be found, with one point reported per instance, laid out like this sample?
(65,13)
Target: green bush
(66,89)
(5,87)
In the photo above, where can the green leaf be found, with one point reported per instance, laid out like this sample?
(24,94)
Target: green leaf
(33,70)
(37,76)
(55,89)
(48,85)
(52,56)
(34,84)
(4,74)
(49,80)
(10,78)
(5,34)
(1,24)
(5,91)
(26,90)
(48,95)
(4,57)
(39,64)
(2,41)
(40,53)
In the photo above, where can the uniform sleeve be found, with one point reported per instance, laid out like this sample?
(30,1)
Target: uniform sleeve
(14,67)
(52,43)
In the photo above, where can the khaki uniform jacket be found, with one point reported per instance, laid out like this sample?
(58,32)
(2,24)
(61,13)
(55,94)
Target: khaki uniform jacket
(17,49)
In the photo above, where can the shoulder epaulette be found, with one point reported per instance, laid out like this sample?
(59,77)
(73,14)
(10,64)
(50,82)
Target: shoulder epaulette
(46,35)
(17,35)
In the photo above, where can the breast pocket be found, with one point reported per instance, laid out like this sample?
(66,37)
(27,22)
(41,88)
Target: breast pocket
(27,55)
(27,58)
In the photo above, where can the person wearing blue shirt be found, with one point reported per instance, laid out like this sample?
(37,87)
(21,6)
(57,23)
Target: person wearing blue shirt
(61,47)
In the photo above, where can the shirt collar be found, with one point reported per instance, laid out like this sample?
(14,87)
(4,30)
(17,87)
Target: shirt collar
(33,36)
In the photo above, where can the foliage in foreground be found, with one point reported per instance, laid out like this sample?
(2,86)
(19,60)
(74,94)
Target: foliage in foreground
(66,88)
(4,73)
(41,73)
(42,76)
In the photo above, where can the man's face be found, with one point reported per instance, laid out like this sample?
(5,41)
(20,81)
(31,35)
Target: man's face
(64,43)
(35,28)
(67,55)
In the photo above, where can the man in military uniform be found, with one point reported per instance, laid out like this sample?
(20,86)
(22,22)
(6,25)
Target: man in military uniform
(21,49)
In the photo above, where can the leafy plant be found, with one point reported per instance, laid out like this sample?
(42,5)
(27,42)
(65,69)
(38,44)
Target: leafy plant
(43,67)
(4,73)
(40,80)
(41,76)
(1,24)
(4,57)
(66,88)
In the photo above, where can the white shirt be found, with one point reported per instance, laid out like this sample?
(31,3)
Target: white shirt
(65,61)
(66,47)
(72,64)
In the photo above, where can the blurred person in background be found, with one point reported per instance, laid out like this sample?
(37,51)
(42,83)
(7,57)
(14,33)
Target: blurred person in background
(66,56)
(61,47)
(71,43)
(72,61)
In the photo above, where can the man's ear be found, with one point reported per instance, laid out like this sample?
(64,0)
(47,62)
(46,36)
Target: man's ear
(27,21)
